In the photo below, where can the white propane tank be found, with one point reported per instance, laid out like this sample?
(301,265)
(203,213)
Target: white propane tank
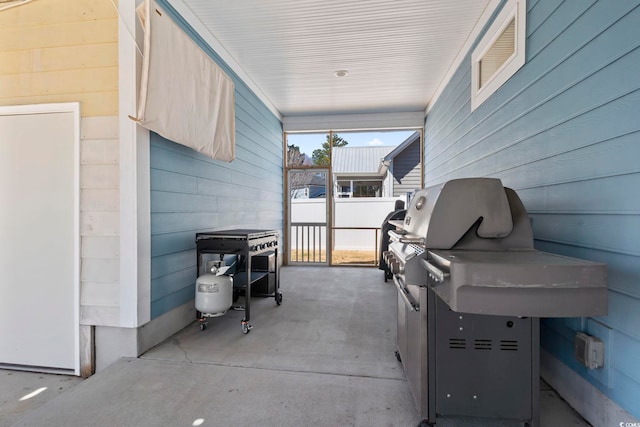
(214,293)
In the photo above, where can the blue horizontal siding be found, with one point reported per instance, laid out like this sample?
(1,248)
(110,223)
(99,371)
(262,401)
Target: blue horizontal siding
(622,270)
(613,233)
(191,192)
(171,243)
(171,263)
(566,82)
(597,98)
(166,303)
(627,359)
(547,20)
(564,132)
(596,164)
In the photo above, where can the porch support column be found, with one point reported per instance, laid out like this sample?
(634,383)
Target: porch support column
(135,228)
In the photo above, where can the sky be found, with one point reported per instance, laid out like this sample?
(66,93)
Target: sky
(309,142)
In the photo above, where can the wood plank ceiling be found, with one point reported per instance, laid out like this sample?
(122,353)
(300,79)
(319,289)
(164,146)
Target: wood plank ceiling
(395,52)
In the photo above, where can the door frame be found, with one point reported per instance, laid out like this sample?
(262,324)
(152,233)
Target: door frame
(74,109)
(328,212)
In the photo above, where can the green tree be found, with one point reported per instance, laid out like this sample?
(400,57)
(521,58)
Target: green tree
(320,156)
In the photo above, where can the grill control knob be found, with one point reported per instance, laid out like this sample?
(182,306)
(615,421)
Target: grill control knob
(391,259)
(396,267)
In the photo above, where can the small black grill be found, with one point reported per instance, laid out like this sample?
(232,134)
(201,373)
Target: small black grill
(246,244)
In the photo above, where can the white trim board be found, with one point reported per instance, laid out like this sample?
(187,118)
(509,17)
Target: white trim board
(355,122)
(135,209)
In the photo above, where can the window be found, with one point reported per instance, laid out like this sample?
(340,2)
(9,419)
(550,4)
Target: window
(367,189)
(500,52)
(362,188)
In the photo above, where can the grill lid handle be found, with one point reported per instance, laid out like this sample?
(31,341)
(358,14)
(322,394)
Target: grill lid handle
(434,272)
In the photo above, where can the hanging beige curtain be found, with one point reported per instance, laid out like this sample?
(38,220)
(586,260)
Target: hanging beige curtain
(184,96)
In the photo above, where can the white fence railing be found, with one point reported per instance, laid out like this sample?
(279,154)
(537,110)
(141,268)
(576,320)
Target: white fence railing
(308,242)
(356,222)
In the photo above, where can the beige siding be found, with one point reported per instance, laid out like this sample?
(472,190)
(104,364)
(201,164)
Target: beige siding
(67,51)
(60,51)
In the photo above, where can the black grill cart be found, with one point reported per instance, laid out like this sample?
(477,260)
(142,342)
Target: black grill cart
(245,244)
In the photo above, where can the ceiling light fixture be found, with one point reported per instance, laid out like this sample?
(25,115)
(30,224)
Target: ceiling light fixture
(341,73)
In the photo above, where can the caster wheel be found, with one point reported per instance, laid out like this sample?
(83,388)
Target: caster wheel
(203,326)
(398,357)
(246,327)
(279,298)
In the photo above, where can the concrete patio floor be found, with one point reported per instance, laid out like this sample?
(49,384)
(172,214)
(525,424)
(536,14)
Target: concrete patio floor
(325,357)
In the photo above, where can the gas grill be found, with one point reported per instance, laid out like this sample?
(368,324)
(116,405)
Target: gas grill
(471,289)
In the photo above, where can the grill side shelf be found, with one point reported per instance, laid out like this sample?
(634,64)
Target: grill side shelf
(526,283)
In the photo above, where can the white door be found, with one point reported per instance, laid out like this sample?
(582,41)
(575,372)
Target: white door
(308,216)
(39,237)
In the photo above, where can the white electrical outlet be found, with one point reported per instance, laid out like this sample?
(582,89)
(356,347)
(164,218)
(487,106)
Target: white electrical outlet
(589,350)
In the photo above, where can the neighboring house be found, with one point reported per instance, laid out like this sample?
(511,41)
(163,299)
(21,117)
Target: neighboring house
(404,167)
(377,171)
(563,131)
(370,171)
(357,171)
(313,186)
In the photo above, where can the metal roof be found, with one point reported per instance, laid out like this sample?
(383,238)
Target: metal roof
(359,160)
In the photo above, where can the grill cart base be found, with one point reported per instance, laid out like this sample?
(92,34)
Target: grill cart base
(245,244)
